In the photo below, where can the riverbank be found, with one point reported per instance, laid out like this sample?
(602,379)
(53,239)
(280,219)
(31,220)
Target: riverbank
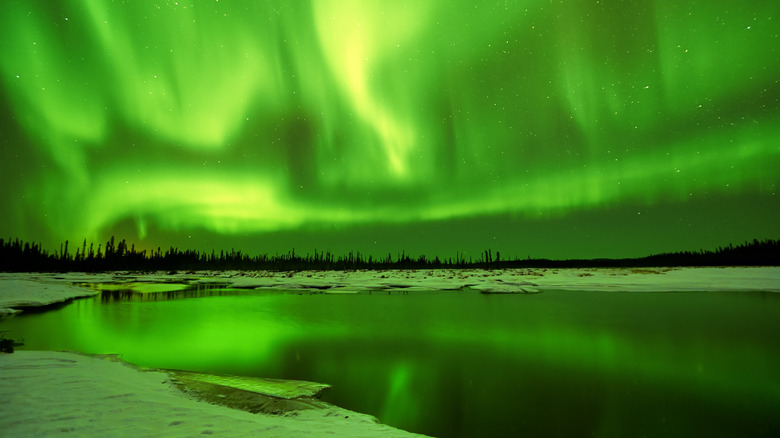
(20,291)
(46,393)
(36,290)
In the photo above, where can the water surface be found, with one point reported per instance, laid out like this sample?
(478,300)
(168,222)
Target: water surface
(449,364)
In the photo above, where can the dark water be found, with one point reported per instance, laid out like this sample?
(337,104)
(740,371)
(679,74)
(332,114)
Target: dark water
(455,364)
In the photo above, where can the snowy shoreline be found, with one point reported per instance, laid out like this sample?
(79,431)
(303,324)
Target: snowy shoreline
(45,393)
(28,290)
(18,292)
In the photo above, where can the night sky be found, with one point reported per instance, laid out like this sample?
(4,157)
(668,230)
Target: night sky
(537,128)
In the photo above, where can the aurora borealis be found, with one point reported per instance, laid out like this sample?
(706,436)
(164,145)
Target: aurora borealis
(544,128)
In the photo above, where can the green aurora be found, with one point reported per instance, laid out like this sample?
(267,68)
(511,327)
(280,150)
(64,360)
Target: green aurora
(543,128)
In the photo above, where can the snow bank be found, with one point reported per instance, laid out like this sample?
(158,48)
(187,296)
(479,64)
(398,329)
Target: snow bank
(706,279)
(18,293)
(515,280)
(46,393)
(24,290)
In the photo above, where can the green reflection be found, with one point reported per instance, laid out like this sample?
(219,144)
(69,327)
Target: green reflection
(557,363)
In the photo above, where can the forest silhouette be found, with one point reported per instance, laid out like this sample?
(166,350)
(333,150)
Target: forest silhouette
(21,256)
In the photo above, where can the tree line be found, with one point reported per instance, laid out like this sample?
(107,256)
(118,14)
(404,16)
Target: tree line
(21,256)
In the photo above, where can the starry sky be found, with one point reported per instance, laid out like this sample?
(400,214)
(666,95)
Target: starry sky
(541,128)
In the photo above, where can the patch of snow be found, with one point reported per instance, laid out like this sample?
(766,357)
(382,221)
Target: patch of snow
(528,280)
(45,393)
(287,389)
(664,279)
(20,293)
(29,290)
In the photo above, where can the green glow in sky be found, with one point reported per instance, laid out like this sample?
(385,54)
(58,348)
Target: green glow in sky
(253,118)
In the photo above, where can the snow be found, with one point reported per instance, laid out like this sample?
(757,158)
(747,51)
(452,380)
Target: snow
(511,280)
(707,279)
(46,393)
(30,290)
(286,389)
(18,293)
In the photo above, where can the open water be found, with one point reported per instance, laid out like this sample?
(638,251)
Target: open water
(463,364)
